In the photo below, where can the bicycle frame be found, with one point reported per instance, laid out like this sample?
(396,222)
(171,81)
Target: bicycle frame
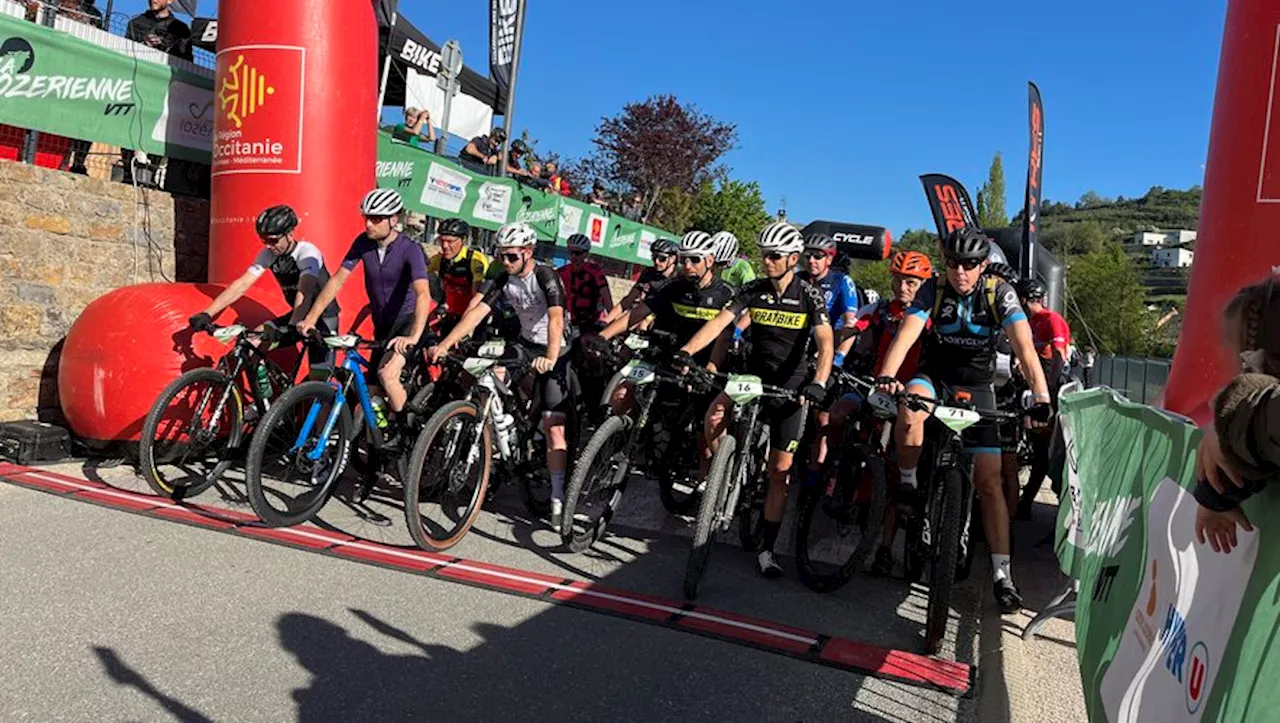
(352,370)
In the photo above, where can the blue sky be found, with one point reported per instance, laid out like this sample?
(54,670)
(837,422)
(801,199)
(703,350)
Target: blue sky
(840,106)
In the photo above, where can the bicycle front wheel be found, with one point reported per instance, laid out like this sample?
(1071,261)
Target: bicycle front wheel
(715,499)
(293,465)
(942,571)
(188,435)
(448,476)
(596,486)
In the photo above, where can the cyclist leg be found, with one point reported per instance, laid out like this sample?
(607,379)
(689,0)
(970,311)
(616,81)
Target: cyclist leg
(392,364)
(623,399)
(982,440)
(786,427)
(714,423)
(555,413)
(908,431)
(1039,470)
(1009,464)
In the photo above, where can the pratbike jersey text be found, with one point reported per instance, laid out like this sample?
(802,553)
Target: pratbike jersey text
(586,289)
(879,322)
(961,347)
(389,274)
(530,297)
(460,276)
(780,328)
(840,293)
(681,308)
(304,259)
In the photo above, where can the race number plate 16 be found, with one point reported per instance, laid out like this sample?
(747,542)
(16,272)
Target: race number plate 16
(743,388)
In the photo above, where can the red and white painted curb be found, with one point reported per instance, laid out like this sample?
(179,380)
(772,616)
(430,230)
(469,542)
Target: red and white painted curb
(911,668)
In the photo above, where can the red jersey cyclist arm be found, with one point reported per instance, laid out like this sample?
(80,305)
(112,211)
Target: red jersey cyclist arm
(1058,345)
(331,289)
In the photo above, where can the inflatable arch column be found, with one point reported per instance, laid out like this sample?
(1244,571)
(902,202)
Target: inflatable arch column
(1239,236)
(295,122)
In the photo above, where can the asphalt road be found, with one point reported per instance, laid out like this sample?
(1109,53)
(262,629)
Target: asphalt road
(106,615)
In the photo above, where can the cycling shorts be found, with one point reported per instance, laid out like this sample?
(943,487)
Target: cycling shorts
(786,423)
(552,390)
(983,437)
(319,356)
(402,326)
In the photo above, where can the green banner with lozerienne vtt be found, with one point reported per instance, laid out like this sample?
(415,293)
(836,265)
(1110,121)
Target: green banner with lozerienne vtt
(1166,629)
(441,188)
(56,83)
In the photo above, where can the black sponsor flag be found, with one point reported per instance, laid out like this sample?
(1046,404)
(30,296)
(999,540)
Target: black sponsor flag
(949,202)
(1035,174)
(505,21)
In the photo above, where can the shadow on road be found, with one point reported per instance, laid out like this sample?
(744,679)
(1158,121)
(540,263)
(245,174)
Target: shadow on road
(122,674)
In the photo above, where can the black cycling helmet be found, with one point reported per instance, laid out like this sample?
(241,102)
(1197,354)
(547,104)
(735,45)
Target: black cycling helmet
(663,246)
(1004,271)
(820,242)
(1032,290)
(519,146)
(276,221)
(455,227)
(966,244)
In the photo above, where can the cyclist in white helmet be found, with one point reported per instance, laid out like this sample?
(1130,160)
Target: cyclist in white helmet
(402,296)
(537,295)
(786,312)
(734,271)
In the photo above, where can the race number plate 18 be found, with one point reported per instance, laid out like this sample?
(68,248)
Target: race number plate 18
(743,388)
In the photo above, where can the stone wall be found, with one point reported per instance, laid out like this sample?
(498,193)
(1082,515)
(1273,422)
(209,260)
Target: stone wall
(65,240)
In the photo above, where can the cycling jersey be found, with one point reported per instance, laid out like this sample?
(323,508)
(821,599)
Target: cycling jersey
(881,321)
(389,274)
(739,273)
(961,346)
(460,276)
(679,307)
(1050,331)
(840,292)
(304,259)
(780,328)
(649,279)
(586,291)
(530,297)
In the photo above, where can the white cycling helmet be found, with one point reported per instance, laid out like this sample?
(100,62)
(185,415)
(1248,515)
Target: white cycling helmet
(726,247)
(382,202)
(698,243)
(782,238)
(515,235)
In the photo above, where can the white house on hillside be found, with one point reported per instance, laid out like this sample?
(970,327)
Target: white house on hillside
(1162,239)
(1172,258)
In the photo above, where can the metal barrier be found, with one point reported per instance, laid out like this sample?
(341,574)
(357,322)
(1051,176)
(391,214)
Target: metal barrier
(1139,379)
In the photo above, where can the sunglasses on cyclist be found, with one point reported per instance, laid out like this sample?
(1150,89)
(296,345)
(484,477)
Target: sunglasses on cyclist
(511,257)
(577,253)
(272,240)
(775,256)
(661,257)
(817,254)
(689,260)
(966,264)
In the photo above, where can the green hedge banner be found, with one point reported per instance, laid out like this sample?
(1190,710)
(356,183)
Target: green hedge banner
(55,83)
(441,188)
(1166,629)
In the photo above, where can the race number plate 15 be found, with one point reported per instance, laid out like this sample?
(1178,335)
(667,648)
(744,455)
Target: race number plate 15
(743,388)
(638,372)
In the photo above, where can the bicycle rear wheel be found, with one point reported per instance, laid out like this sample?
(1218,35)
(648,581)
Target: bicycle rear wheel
(677,478)
(715,497)
(280,462)
(942,570)
(826,518)
(595,489)
(188,435)
(449,473)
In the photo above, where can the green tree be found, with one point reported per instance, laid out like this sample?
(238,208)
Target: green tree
(1105,302)
(991,197)
(735,206)
(1074,239)
(674,210)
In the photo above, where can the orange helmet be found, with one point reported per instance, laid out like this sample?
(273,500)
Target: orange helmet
(911,263)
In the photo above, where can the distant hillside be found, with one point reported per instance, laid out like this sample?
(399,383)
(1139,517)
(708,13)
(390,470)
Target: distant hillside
(1160,209)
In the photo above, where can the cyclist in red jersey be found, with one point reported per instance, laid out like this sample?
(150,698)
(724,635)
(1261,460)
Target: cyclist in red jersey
(586,287)
(1052,338)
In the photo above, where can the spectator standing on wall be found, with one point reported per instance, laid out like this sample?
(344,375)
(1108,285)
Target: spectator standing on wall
(485,151)
(411,130)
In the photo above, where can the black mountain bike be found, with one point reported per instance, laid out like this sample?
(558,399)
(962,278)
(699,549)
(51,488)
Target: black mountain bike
(197,427)
(839,520)
(937,536)
(737,481)
(659,425)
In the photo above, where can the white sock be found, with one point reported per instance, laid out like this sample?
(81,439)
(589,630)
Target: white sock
(557,486)
(908,476)
(1002,568)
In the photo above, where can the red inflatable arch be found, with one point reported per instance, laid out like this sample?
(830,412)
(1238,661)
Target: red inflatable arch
(296,123)
(1239,235)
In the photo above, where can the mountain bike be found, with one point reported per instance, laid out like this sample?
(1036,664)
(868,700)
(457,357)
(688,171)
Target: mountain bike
(310,432)
(737,480)
(205,411)
(465,440)
(661,396)
(937,536)
(850,502)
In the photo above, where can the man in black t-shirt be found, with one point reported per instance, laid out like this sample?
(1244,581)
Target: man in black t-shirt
(159,29)
(484,151)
